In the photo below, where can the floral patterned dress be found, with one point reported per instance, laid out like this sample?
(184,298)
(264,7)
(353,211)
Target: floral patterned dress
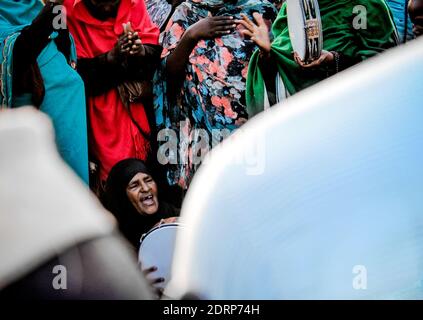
(211,102)
(159,11)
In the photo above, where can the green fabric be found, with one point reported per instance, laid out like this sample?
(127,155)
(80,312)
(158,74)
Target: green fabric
(338,35)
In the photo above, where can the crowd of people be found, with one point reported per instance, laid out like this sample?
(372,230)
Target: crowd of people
(132,86)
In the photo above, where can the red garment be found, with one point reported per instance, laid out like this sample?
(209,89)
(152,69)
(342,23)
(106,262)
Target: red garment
(112,134)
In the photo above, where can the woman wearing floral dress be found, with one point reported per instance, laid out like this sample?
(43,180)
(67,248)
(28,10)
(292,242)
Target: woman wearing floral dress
(200,87)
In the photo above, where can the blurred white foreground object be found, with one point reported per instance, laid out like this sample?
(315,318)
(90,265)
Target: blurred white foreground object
(335,207)
(44,208)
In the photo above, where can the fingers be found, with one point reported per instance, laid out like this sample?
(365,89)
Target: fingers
(229,28)
(137,50)
(129,27)
(125,37)
(313,64)
(173,219)
(157,281)
(220,33)
(247,33)
(317,62)
(125,47)
(146,272)
(298,60)
(131,43)
(149,270)
(246,25)
(136,45)
(250,24)
(125,43)
(259,19)
(247,20)
(223,19)
(223,25)
(226,22)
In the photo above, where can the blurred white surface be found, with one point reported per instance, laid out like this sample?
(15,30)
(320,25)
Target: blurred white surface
(341,188)
(44,208)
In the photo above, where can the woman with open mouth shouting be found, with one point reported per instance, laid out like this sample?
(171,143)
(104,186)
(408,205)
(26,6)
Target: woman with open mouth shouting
(132,196)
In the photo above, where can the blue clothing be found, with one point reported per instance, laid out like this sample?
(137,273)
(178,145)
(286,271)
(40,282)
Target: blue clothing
(64,100)
(402,20)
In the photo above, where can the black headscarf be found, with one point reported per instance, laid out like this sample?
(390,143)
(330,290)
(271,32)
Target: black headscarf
(131,223)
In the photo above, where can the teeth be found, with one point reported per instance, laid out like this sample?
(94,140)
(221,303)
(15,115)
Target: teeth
(147,198)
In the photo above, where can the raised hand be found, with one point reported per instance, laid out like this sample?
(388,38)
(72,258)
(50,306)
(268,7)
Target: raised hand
(120,50)
(258,32)
(127,45)
(212,27)
(134,46)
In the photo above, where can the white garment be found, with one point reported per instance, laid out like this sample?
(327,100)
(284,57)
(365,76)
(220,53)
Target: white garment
(44,207)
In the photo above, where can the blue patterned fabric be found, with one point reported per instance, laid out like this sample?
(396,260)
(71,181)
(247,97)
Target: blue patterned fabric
(64,99)
(398,8)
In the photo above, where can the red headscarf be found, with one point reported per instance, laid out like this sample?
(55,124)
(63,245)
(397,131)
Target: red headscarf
(94,37)
(112,136)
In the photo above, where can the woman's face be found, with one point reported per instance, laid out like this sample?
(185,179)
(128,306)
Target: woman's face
(103,9)
(142,193)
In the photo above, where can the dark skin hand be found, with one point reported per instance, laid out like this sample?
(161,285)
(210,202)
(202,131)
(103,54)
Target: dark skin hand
(207,28)
(325,58)
(129,45)
(212,27)
(259,33)
(132,45)
(157,291)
